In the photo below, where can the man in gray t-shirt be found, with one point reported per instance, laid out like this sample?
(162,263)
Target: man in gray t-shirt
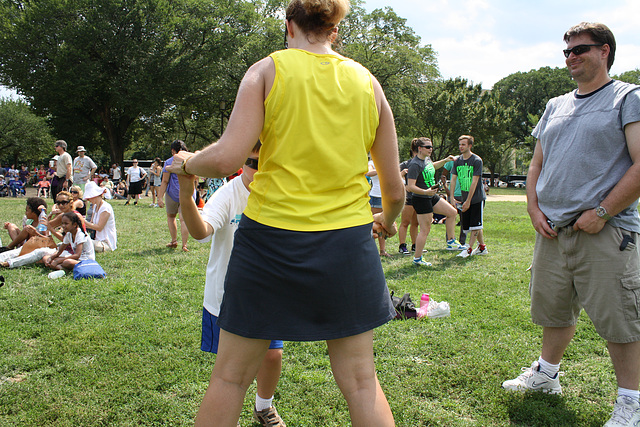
(582,192)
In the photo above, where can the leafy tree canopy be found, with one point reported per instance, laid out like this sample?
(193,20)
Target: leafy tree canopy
(103,64)
(24,136)
(528,93)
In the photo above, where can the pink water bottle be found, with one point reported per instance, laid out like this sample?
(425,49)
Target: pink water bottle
(424,306)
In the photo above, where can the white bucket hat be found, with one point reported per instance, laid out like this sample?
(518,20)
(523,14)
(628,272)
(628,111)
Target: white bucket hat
(93,190)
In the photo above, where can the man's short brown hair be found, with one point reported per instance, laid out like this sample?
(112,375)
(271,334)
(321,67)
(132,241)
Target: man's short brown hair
(469,139)
(599,33)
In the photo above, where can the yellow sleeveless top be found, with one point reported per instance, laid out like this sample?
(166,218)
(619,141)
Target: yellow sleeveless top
(320,122)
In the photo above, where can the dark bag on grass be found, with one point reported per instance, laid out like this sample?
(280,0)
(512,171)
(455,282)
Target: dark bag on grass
(88,269)
(405,309)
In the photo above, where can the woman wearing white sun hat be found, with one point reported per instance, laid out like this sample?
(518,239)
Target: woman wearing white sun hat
(103,219)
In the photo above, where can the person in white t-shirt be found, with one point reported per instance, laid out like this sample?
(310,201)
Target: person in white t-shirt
(135,181)
(218,222)
(74,238)
(102,219)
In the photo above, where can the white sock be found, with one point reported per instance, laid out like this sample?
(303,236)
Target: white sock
(262,404)
(634,394)
(548,368)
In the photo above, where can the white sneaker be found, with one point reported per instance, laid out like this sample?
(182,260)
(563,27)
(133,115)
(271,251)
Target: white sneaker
(626,412)
(465,253)
(438,309)
(534,380)
(421,262)
(477,251)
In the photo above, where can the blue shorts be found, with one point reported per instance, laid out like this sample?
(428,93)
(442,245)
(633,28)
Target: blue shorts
(211,334)
(375,202)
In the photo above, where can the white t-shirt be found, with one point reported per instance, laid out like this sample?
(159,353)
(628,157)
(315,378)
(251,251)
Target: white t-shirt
(222,212)
(116,172)
(375,181)
(135,173)
(108,233)
(80,237)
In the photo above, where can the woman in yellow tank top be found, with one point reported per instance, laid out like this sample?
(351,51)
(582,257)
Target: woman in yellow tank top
(304,265)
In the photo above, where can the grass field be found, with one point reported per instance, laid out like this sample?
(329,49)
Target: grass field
(124,351)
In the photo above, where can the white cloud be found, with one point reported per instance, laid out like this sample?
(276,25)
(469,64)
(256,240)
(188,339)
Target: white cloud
(486,40)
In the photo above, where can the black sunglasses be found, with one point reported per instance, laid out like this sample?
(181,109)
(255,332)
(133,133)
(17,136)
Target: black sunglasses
(579,50)
(73,192)
(426,146)
(62,202)
(252,163)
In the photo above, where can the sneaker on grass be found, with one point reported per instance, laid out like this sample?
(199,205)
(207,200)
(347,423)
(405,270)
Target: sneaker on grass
(403,249)
(626,412)
(477,251)
(421,262)
(535,380)
(268,417)
(465,253)
(454,245)
(438,309)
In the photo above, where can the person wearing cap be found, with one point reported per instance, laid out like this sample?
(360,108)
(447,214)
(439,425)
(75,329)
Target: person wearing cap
(102,221)
(83,168)
(63,168)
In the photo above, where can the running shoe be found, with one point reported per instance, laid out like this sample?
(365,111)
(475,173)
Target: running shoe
(465,253)
(268,417)
(454,245)
(421,262)
(477,251)
(535,380)
(626,412)
(403,249)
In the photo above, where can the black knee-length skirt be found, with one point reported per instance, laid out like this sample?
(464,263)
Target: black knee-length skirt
(303,286)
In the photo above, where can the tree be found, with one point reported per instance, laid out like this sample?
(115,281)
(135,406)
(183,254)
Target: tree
(528,94)
(632,76)
(103,64)
(392,51)
(24,137)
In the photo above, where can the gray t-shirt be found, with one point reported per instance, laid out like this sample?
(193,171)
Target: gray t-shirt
(585,152)
(465,171)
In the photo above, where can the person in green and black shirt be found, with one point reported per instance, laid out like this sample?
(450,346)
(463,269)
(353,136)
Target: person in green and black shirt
(421,181)
(467,169)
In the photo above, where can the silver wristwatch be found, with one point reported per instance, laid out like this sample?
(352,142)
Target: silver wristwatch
(602,213)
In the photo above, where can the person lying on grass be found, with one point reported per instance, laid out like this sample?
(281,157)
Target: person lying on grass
(76,245)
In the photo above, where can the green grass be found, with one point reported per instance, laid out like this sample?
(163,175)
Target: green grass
(125,350)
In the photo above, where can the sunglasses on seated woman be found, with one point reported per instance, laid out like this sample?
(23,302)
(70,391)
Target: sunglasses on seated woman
(62,202)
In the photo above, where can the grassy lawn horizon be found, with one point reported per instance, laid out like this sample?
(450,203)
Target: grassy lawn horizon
(125,350)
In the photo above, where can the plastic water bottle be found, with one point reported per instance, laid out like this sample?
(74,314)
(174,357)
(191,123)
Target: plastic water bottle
(42,219)
(424,306)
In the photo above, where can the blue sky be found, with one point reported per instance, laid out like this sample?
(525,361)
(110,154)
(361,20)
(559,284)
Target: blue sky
(486,40)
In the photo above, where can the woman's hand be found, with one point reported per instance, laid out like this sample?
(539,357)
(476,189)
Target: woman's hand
(178,159)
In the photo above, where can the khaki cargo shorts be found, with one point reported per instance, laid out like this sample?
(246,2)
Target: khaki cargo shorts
(580,270)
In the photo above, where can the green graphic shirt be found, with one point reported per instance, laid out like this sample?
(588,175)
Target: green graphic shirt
(466,170)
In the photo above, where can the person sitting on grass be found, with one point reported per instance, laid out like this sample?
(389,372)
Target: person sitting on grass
(64,204)
(218,221)
(77,202)
(102,220)
(74,238)
(29,222)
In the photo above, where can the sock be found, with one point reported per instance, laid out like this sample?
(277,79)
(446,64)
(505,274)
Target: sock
(548,368)
(634,394)
(262,404)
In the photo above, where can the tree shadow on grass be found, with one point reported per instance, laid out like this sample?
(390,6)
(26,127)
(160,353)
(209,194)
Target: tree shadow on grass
(539,409)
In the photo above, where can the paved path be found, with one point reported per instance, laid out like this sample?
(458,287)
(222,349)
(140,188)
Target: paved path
(506,198)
